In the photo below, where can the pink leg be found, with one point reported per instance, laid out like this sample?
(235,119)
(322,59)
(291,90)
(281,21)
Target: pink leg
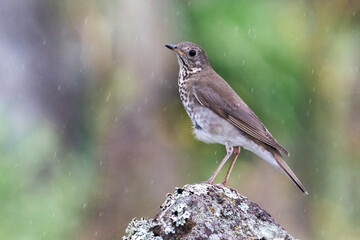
(229,150)
(236,154)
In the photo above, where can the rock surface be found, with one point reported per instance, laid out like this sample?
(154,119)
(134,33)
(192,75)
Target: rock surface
(203,211)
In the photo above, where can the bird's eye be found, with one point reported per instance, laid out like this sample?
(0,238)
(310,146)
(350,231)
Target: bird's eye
(192,53)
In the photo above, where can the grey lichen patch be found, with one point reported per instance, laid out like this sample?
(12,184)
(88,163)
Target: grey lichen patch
(203,211)
(139,229)
(180,215)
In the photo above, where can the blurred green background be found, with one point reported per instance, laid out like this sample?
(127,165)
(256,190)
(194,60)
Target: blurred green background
(93,133)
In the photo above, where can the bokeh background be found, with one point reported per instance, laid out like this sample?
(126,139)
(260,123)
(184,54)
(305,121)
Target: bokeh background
(92,131)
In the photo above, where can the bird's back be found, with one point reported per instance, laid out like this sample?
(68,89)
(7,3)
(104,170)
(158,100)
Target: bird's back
(212,91)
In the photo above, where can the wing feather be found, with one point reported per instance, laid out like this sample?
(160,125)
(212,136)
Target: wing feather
(234,109)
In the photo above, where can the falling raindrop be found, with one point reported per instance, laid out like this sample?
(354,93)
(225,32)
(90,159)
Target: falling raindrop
(108,97)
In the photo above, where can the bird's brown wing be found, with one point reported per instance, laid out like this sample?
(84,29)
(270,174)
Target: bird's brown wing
(223,100)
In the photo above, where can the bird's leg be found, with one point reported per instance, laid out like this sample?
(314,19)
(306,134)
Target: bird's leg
(236,154)
(229,150)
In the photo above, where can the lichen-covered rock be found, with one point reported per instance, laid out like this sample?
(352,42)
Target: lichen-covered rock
(203,211)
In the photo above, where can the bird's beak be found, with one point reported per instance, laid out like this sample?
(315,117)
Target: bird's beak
(174,48)
(170,46)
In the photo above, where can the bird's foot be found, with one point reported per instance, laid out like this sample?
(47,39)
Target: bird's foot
(207,182)
(210,181)
(224,184)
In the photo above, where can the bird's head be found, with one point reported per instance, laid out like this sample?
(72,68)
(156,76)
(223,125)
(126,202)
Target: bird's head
(190,56)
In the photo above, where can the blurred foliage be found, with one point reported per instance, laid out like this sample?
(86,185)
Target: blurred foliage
(43,189)
(107,136)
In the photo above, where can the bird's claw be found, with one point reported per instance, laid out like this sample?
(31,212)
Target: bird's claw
(207,182)
(224,184)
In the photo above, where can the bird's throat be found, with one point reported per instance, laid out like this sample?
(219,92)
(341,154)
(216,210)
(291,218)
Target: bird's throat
(185,72)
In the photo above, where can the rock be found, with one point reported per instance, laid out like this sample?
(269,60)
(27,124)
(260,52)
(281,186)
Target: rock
(204,211)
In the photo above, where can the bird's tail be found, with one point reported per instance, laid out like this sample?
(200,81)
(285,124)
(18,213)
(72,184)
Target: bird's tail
(285,168)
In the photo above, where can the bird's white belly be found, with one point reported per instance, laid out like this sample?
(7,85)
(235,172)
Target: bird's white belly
(211,128)
(215,129)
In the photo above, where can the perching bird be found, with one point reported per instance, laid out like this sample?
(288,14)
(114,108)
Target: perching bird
(219,115)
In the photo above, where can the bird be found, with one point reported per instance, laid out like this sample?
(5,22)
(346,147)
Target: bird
(220,116)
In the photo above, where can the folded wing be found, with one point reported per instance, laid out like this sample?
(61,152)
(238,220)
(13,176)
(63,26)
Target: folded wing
(223,100)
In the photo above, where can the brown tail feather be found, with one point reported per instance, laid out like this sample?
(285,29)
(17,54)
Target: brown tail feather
(285,168)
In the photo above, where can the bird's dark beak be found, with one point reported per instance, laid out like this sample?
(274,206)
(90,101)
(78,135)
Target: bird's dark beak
(174,48)
(170,46)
